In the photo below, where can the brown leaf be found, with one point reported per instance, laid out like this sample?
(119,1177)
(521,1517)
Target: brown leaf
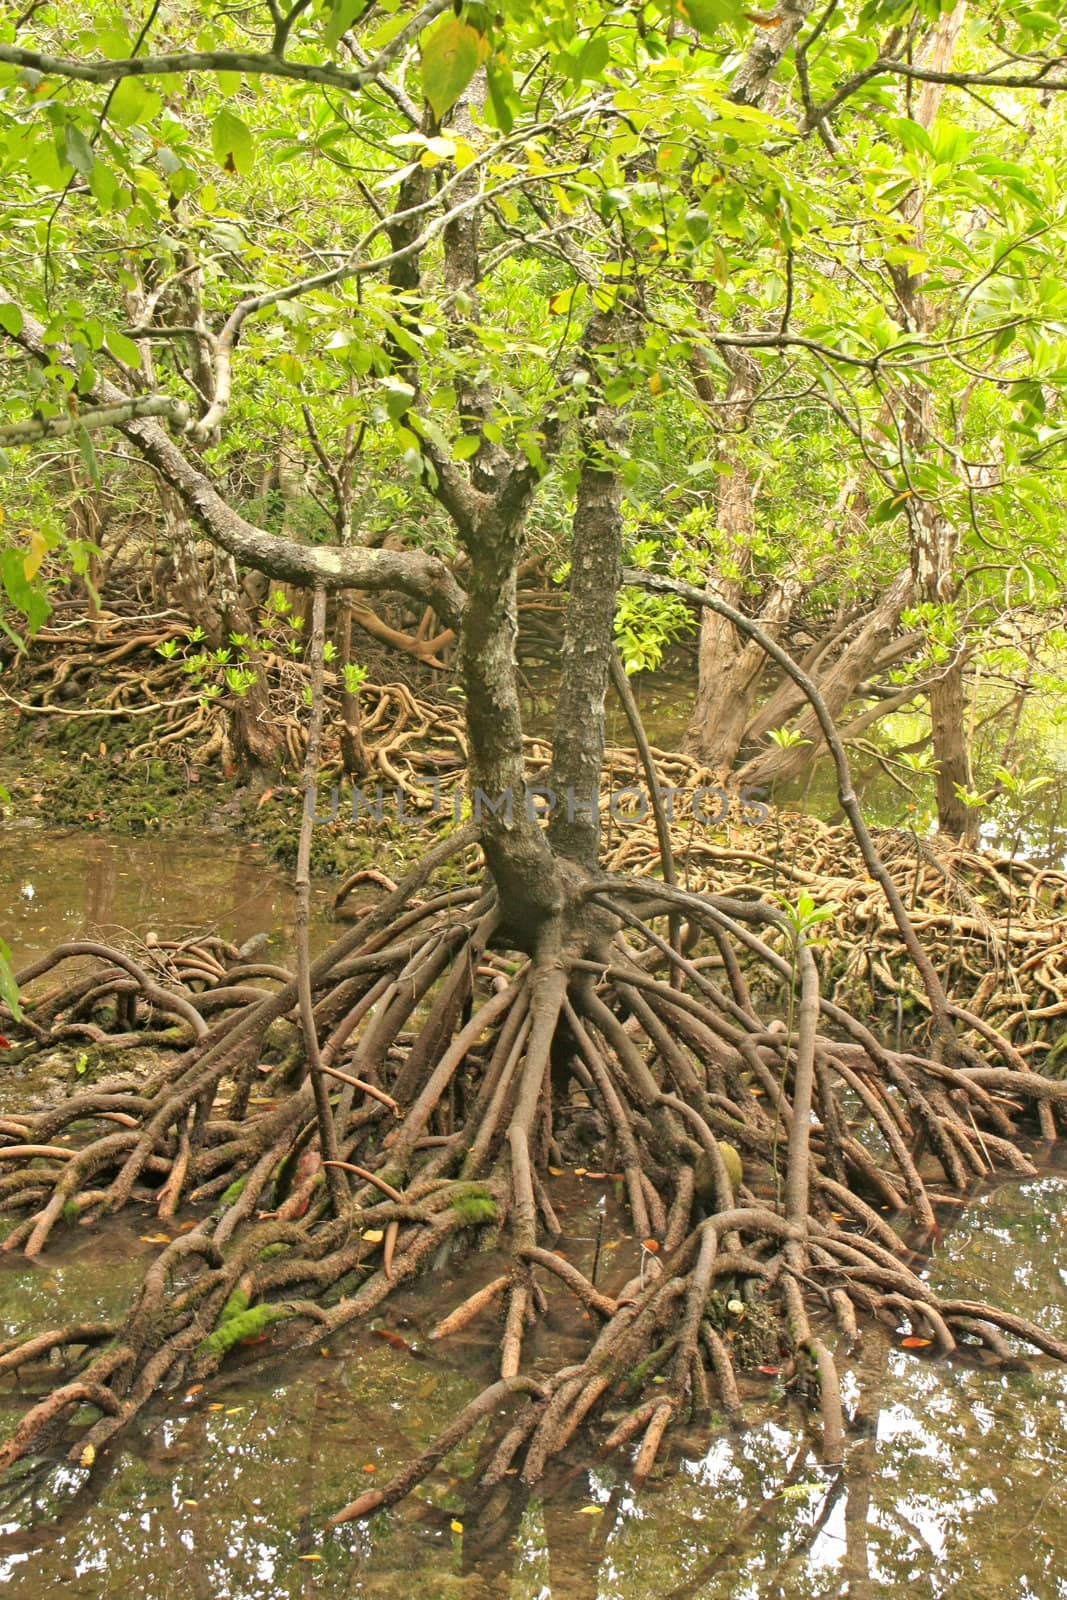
(390,1338)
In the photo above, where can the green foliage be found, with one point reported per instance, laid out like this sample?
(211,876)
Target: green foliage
(9,993)
(617,168)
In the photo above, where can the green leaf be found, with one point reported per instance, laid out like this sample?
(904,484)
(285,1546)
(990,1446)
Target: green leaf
(231,142)
(593,59)
(10,318)
(452,52)
(9,992)
(707,16)
(342,15)
(133,102)
(122,348)
(503,101)
(77,151)
(913,136)
(88,454)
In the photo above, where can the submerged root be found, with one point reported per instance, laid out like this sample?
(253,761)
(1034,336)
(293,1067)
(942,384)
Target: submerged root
(759,1146)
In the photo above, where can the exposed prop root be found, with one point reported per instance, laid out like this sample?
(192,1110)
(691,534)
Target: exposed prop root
(436,1075)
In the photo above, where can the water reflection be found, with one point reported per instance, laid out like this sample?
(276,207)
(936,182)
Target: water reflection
(953,1487)
(58,885)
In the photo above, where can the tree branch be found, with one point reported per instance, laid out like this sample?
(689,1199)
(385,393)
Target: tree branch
(268,64)
(329,567)
(149,405)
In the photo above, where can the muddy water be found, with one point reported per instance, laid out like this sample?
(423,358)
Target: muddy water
(60,885)
(954,1486)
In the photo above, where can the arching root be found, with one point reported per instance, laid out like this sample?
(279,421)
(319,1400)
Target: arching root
(453,1071)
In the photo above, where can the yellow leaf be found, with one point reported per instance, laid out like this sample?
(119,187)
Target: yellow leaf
(373,1235)
(315,1557)
(155,1238)
(34,555)
(556,1172)
(591,1511)
(457,1527)
(655,384)
(232,1411)
(88,1456)
(216,1405)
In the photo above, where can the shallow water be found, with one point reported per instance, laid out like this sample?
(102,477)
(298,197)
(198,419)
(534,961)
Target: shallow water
(60,884)
(953,1486)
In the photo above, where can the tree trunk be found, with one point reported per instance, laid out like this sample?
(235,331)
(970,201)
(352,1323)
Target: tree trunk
(948,722)
(596,571)
(934,541)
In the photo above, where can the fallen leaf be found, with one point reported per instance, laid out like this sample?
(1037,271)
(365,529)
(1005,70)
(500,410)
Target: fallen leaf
(216,1405)
(391,1338)
(315,1557)
(772,1372)
(264,797)
(88,1456)
(913,1342)
(232,1411)
(579,1172)
(557,1172)
(457,1527)
(370,1467)
(591,1511)
(651,1245)
(5,1044)
(155,1238)
(736,1307)
(374,1235)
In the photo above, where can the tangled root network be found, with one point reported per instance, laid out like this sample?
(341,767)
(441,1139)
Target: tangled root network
(763,1136)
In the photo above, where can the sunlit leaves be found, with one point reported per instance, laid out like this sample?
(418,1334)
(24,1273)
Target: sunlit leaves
(231,142)
(452,52)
